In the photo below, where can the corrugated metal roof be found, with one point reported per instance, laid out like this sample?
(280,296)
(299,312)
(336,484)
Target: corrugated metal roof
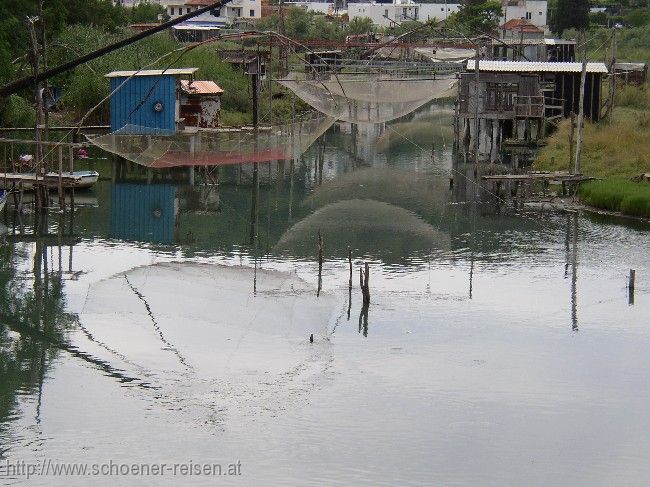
(533,42)
(558,42)
(633,66)
(153,72)
(201,87)
(199,26)
(535,67)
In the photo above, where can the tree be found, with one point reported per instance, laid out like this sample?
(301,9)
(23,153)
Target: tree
(570,14)
(476,16)
(361,25)
(146,12)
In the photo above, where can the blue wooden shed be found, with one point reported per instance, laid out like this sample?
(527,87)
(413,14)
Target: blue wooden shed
(146,101)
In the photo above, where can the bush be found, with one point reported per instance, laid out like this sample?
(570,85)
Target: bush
(638,17)
(633,97)
(618,195)
(17,112)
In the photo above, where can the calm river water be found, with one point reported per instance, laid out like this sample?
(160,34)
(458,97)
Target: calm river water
(168,324)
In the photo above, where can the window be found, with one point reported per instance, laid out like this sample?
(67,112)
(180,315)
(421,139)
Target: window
(252,13)
(500,96)
(386,13)
(541,13)
(180,10)
(529,15)
(171,10)
(215,12)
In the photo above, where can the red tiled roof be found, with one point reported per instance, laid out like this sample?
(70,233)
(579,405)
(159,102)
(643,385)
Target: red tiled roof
(199,3)
(521,25)
(201,87)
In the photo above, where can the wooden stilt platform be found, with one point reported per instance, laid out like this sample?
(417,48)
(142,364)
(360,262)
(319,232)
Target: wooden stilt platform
(518,183)
(555,177)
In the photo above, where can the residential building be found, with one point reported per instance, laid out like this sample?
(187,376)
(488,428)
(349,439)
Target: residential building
(437,10)
(229,13)
(535,12)
(520,29)
(386,14)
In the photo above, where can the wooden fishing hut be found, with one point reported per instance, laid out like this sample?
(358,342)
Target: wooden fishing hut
(317,63)
(516,99)
(632,73)
(545,50)
(246,60)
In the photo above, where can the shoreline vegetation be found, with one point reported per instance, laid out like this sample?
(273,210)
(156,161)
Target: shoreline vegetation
(616,151)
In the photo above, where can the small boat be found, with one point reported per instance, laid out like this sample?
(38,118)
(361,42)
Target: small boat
(3,198)
(87,179)
(77,179)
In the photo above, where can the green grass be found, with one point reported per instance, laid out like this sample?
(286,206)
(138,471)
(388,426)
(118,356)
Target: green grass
(617,149)
(618,195)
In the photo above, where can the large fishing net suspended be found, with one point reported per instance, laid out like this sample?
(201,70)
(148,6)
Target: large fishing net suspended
(214,147)
(367,97)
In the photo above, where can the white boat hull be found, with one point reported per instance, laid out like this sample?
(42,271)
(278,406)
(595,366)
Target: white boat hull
(77,180)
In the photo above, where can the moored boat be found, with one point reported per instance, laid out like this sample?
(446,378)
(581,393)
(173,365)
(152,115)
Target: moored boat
(77,180)
(87,179)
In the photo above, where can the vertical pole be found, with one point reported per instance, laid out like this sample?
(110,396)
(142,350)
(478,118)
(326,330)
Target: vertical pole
(320,262)
(476,101)
(574,276)
(630,286)
(46,115)
(39,110)
(269,75)
(581,112)
(71,162)
(350,264)
(612,83)
(191,174)
(571,140)
(60,187)
(256,180)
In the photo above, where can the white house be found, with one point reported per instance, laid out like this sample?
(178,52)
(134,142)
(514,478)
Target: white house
(386,14)
(318,7)
(534,11)
(440,11)
(233,10)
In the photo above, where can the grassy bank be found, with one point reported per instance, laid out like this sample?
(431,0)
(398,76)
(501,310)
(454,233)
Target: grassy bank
(615,150)
(618,195)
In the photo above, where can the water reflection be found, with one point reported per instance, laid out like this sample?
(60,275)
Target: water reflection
(208,294)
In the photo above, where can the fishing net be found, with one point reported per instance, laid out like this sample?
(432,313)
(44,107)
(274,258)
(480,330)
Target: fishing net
(369,97)
(446,54)
(214,147)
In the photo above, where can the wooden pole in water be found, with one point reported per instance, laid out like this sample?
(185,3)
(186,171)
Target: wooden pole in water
(364,278)
(630,285)
(477,123)
(71,163)
(320,263)
(350,263)
(572,133)
(581,112)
